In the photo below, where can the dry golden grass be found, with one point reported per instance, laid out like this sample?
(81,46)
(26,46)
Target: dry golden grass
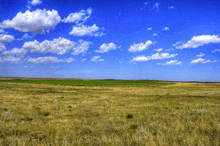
(177,114)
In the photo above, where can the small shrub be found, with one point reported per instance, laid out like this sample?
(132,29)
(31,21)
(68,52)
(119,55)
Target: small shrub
(38,108)
(130,116)
(69,106)
(46,114)
(133,126)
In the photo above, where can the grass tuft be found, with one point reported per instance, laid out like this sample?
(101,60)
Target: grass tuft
(129,116)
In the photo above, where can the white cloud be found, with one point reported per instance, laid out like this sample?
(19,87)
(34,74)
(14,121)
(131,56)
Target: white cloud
(57,46)
(156,56)
(107,47)
(159,50)
(156,7)
(26,36)
(162,56)
(16,51)
(177,44)
(4,38)
(149,28)
(96,59)
(83,60)
(173,62)
(171,49)
(196,61)
(207,61)
(200,55)
(140,47)
(37,21)
(78,16)
(154,34)
(197,41)
(141,58)
(48,60)
(2,47)
(9,59)
(81,47)
(171,7)
(36,2)
(85,30)
(166,28)
(216,50)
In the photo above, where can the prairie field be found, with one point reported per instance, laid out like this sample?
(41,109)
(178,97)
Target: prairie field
(153,114)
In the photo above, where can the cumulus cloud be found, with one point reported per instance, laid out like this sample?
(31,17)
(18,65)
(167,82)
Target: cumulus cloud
(166,28)
(140,47)
(216,50)
(9,59)
(197,41)
(4,38)
(2,47)
(85,30)
(37,21)
(35,2)
(162,56)
(200,55)
(107,47)
(159,50)
(156,56)
(78,16)
(49,60)
(201,60)
(141,58)
(149,28)
(154,34)
(96,59)
(81,47)
(57,46)
(16,51)
(173,62)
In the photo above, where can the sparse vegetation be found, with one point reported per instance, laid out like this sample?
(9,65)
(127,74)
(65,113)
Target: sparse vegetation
(173,114)
(129,116)
(46,113)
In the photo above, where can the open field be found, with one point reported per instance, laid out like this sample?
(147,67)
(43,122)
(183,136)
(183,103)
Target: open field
(82,82)
(62,115)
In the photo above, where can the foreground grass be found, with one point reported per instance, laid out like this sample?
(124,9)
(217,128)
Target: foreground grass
(84,82)
(176,114)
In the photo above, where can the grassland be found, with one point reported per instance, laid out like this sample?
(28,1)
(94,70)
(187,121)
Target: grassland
(78,82)
(171,114)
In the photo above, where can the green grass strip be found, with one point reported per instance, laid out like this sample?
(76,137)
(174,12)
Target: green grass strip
(89,82)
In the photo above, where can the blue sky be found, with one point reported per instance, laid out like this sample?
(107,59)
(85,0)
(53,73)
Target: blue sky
(155,40)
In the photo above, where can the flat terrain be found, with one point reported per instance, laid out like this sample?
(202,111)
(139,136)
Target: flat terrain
(171,114)
(81,82)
